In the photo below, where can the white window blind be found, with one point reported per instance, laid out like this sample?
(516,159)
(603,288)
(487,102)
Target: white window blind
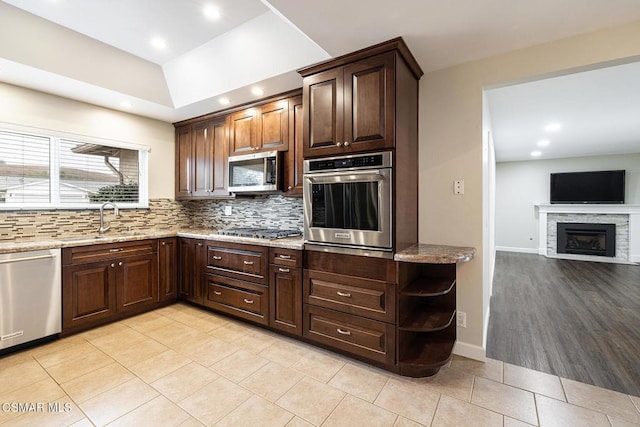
(50,172)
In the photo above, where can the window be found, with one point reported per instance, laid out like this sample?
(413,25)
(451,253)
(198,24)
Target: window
(51,172)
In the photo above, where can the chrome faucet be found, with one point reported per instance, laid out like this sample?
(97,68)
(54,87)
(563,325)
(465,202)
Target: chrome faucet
(116,211)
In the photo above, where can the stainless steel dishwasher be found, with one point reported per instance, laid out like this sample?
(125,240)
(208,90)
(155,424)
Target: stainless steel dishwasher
(30,296)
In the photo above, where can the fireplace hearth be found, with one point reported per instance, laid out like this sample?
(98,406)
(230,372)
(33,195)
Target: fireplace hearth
(587,239)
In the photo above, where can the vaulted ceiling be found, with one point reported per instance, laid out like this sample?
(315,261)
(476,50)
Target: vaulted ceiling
(101,51)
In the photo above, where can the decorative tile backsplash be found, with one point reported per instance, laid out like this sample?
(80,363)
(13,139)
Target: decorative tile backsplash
(267,212)
(163,214)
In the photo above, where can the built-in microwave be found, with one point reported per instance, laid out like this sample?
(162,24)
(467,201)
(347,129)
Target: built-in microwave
(255,173)
(348,202)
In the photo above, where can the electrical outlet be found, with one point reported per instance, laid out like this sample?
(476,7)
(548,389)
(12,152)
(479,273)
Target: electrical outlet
(458,186)
(227,210)
(461,319)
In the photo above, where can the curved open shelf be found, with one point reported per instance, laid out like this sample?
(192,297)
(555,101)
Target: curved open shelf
(428,287)
(428,319)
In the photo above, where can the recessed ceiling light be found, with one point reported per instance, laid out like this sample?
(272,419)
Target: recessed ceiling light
(536,153)
(211,12)
(257,91)
(553,127)
(224,101)
(158,43)
(543,143)
(126,104)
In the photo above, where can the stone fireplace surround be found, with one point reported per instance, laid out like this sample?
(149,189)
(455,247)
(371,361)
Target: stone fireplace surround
(625,217)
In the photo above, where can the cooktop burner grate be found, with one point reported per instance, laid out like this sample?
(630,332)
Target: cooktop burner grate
(260,233)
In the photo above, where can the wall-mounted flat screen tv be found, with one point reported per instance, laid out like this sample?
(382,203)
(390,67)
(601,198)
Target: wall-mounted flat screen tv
(588,187)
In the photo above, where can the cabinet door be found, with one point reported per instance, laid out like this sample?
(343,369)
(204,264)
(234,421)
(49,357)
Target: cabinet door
(88,294)
(168,269)
(184,162)
(322,95)
(243,132)
(203,154)
(273,126)
(137,282)
(293,168)
(369,94)
(190,269)
(219,130)
(285,305)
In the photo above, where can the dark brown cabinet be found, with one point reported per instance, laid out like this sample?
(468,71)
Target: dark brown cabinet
(236,280)
(103,282)
(261,128)
(355,103)
(350,305)
(168,269)
(201,159)
(294,157)
(191,262)
(285,290)
(426,317)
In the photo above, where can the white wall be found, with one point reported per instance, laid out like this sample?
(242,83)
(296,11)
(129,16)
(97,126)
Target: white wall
(521,185)
(451,147)
(25,107)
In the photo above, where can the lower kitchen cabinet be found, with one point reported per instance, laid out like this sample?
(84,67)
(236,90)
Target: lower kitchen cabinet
(285,290)
(168,269)
(104,282)
(191,257)
(237,297)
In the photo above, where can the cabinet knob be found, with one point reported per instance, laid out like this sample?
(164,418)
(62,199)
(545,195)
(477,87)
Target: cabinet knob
(343,332)
(346,143)
(112,265)
(199,244)
(290,187)
(338,144)
(164,243)
(120,263)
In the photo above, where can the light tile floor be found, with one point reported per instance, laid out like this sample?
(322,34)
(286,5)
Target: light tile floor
(182,366)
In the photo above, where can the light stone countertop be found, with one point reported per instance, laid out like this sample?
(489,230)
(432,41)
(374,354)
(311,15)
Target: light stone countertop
(435,254)
(207,234)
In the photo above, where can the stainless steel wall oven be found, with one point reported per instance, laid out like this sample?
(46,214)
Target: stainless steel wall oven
(348,202)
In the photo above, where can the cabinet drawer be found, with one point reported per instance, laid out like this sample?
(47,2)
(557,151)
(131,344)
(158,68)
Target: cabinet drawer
(363,337)
(92,253)
(354,295)
(240,262)
(243,299)
(285,257)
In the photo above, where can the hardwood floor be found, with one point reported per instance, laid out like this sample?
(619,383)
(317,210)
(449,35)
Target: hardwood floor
(575,319)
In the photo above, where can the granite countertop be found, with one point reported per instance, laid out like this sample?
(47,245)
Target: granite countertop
(435,254)
(208,234)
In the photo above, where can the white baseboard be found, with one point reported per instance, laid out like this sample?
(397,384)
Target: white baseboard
(634,258)
(470,351)
(519,250)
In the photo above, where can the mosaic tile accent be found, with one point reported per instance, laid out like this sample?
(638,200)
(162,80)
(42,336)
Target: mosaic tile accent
(263,211)
(622,234)
(162,214)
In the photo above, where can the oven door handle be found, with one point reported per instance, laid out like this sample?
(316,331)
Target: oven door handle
(369,175)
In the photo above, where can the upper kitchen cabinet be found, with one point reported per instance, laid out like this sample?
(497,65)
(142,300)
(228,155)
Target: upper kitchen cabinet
(356,102)
(260,128)
(201,159)
(294,156)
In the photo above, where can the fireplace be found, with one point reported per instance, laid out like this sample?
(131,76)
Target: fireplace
(587,239)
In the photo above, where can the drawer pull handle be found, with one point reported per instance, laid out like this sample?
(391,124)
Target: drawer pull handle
(217,292)
(248,262)
(115,250)
(217,258)
(284,270)
(343,332)
(284,256)
(344,294)
(248,301)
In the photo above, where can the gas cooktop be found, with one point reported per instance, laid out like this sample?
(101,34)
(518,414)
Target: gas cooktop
(261,233)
